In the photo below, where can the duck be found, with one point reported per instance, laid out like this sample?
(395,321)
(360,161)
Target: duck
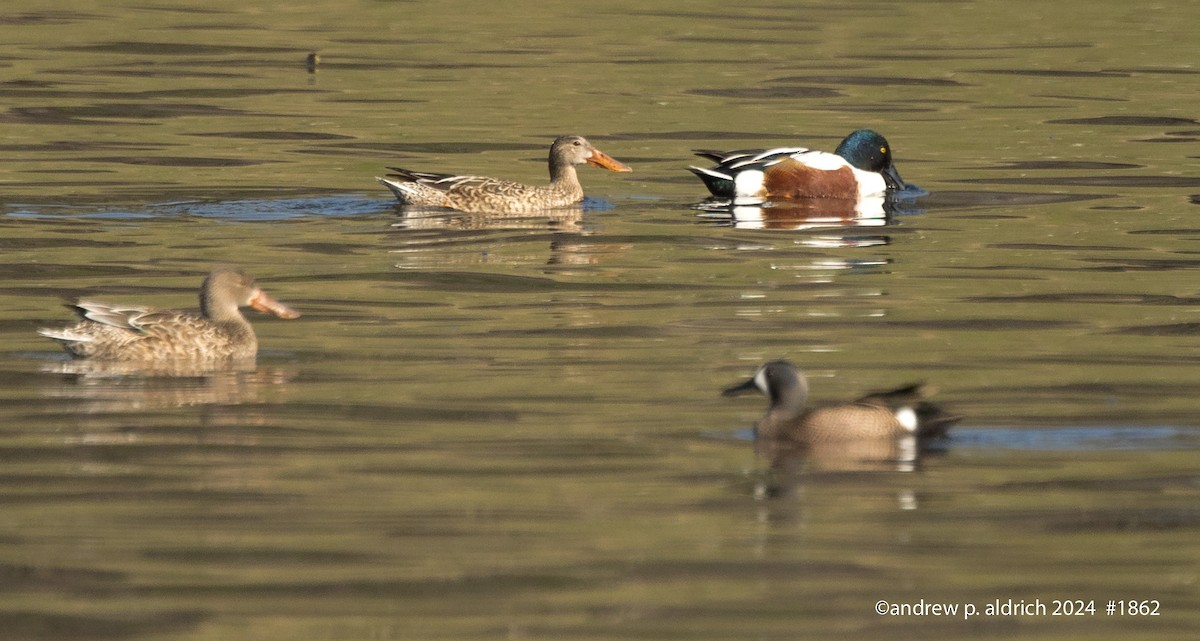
(860,168)
(889,415)
(481,194)
(216,332)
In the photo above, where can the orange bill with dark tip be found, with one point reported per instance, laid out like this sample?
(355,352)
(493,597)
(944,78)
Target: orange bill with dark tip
(605,161)
(268,305)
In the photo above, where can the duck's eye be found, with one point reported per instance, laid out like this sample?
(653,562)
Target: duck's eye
(883,150)
(576,143)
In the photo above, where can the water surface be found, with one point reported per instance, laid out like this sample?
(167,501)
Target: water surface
(493,427)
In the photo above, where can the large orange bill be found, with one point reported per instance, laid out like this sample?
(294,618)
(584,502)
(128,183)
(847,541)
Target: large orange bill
(605,161)
(268,305)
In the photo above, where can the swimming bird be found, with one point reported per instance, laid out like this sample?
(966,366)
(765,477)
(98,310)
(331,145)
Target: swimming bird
(217,332)
(483,194)
(861,167)
(884,415)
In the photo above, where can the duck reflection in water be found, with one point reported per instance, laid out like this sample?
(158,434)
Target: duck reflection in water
(811,213)
(104,388)
(878,431)
(799,214)
(572,241)
(564,219)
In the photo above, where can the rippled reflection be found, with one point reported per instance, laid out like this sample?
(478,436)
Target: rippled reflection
(806,213)
(564,219)
(106,387)
(485,439)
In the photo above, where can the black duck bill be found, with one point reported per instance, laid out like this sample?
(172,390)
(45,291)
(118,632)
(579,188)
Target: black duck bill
(750,385)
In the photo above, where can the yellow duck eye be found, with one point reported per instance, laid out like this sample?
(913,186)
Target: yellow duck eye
(883,150)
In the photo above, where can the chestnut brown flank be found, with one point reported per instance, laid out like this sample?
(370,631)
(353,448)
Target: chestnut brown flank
(790,179)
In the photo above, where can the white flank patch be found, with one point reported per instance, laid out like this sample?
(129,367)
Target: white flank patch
(821,160)
(748,183)
(907,418)
(869,184)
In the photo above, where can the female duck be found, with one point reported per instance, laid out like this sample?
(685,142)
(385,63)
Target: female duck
(143,334)
(483,194)
(861,167)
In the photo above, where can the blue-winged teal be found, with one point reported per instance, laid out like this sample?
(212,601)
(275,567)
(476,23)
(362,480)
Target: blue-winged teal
(217,332)
(860,167)
(886,415)
(482,194)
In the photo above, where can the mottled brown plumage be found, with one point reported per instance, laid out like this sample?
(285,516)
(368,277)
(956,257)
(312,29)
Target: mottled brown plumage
(480,194)
(217,332)
(879,416)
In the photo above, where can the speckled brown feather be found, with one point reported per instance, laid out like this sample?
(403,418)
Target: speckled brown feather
(481,194)
(834,422)
(143,334)
(158,335)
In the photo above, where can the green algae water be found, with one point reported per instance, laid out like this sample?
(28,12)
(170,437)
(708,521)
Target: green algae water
(487,428)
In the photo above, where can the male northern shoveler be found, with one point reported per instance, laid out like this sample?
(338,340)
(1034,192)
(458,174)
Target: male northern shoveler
(217,332)
(860,167)
(885,415)
(482,194)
